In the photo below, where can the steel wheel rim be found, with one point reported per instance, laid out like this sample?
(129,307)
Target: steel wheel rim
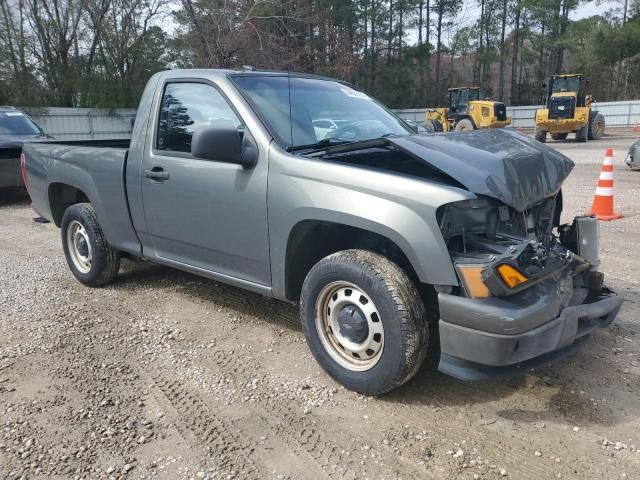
(356,356)
(79,246)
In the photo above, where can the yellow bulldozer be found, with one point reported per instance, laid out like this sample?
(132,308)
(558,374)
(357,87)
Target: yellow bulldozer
(466,112)
(567,109)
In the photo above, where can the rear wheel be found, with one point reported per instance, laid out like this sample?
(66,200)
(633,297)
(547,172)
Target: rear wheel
(596,126)
(364,321)
(541,135)
(559,136)
(582,134)
(90,258)
(464,125)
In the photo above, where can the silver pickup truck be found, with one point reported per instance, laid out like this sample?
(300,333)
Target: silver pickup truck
(396,246)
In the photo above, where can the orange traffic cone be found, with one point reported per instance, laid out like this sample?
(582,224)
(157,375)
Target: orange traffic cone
(603,199)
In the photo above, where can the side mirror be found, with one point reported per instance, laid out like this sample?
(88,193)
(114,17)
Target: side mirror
(222,142)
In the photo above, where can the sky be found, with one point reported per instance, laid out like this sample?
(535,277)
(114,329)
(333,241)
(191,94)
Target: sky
(471,12)
(590,8)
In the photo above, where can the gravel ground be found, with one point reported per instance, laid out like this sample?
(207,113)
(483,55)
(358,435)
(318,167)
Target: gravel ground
(166,375)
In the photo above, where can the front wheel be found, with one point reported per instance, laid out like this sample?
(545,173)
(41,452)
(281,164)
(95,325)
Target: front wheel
(90,258)
(464,125)
(364,321)
(596,126)
(540,135)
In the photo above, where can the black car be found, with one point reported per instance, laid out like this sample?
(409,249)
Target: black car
(16,127)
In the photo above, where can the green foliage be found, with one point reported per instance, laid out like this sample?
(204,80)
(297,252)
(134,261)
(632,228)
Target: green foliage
(101,52)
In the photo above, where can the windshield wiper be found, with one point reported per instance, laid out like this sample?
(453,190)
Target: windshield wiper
(379,142)
(325,142)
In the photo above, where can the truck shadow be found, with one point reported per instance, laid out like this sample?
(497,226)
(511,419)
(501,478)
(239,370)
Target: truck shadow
(203,290)
(428,386)
(584,391)
(550,387)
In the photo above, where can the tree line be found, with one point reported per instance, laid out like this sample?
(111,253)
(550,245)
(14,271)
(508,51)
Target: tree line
(100,53)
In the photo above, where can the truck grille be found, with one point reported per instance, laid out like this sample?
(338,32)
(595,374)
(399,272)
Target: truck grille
(500,111)
(561,107)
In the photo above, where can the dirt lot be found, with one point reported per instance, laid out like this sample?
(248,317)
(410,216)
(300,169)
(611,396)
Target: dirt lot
(167,375)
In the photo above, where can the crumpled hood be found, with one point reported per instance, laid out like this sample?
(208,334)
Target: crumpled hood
(502,164)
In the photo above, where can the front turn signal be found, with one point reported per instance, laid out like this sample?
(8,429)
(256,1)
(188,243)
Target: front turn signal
(472,278)
(510,275)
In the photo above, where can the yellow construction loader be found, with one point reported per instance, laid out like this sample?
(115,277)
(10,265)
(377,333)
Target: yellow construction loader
(567,109)
(466,112)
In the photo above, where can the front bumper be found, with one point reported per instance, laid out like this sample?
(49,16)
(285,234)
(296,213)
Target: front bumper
(494,337)
(561,125)
(498,123)
(10,174)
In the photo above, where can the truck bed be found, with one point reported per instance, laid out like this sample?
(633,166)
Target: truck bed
(63,172)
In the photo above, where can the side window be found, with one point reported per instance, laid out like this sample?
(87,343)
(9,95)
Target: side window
(186,107)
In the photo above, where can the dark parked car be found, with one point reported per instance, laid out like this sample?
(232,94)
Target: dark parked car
(16,127)
(633,157)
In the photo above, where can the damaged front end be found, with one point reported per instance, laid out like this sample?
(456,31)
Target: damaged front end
(529,287)
(498,251)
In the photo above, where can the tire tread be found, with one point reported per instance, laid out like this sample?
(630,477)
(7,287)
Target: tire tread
(412,315)
(111,257)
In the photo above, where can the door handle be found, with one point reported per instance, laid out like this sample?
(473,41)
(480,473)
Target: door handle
(157,173)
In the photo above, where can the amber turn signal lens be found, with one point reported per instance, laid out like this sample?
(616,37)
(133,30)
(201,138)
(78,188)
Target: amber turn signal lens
(510,275)
(471,276)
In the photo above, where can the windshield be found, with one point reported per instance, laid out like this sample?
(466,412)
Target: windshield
(566,84)
(13,122)
(304,111)
(463,96)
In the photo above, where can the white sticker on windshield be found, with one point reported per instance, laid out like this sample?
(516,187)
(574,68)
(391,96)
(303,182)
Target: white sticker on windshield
(355,93)
(13,114)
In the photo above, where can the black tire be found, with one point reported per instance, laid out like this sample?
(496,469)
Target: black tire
(402,313)
(559,136)
(437,126)
(105,260)
(540,135)
(582,134)
(464,124)
(596,126)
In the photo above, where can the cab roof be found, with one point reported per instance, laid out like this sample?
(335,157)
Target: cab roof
(245,71)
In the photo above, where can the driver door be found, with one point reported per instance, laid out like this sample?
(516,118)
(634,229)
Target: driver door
(202,214)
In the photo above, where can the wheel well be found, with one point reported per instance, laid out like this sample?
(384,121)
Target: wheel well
(61,197)
(312,240)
